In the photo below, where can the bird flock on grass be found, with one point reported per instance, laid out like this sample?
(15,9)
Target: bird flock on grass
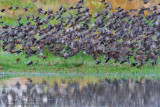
(125,36)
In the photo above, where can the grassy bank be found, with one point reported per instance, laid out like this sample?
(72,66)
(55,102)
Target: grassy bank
(79,64)
(77,77)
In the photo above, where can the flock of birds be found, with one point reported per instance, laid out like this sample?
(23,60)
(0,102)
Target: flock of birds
(120,35)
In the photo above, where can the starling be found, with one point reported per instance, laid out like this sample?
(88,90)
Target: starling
(16,8)
(3,10)
(10,8)
(103,2)
(81,1)
(98,62)
(30,63)
(26,8)
(18,59)
(133,64)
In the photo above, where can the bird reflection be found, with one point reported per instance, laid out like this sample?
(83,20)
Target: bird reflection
(105,93)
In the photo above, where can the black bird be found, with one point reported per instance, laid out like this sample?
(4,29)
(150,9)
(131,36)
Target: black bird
(30,63)
(10,8)
(1,22)
(26,8)
(3,10)
(122,62)
(103,2)
(71,8)
(19,51)
(107,59)
(81,1)
(39,10)
(18,59)
(16,8)
(61,7)
(19,18)
(134,64)
(98,62)
(146,1)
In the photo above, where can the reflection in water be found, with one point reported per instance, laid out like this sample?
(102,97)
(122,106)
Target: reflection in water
(105,93)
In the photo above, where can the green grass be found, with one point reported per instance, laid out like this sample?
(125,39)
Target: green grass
(78,63)
(83,78)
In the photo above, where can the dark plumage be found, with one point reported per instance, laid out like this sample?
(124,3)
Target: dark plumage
(30,63)
(98,62)
(121,36)
(3,10)
(26,8)
(18,59)
(10,8)
(133,64)
(16,8)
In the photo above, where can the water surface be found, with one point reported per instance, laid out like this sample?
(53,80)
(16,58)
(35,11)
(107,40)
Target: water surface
(50,91)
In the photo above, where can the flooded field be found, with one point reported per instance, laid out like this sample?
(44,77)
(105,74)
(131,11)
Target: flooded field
(49,91)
